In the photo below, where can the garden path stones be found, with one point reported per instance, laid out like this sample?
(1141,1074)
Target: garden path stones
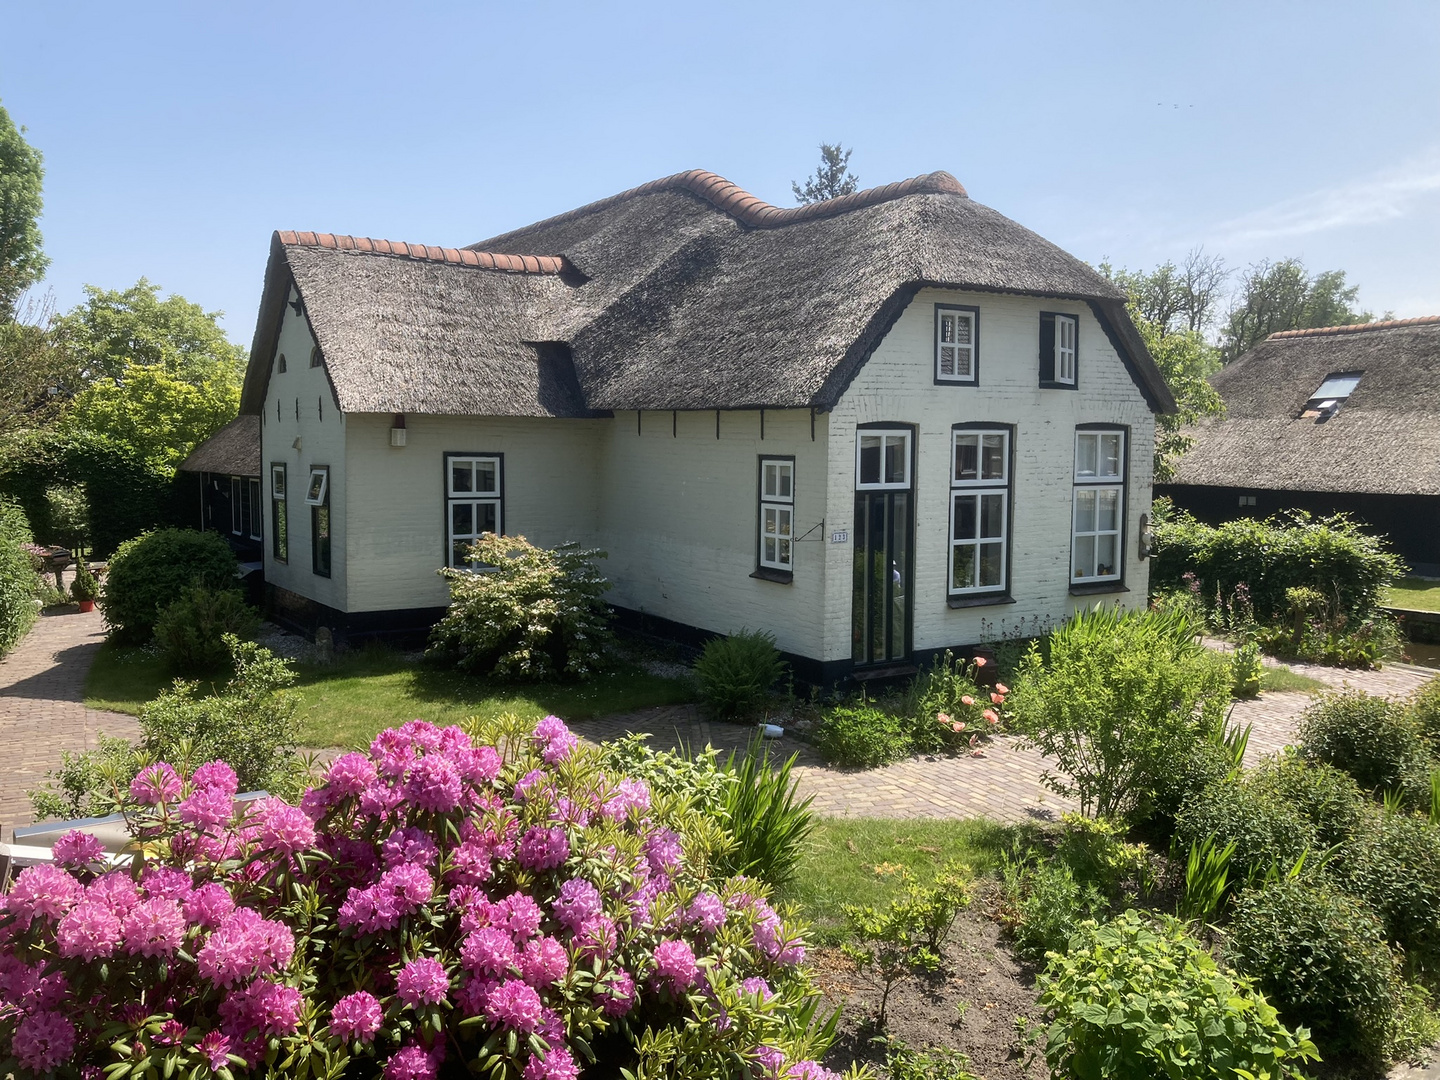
(42,708)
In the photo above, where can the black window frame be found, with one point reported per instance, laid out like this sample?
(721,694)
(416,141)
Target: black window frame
(1048,330)
(762,571)
(321,553)
(280,514)
(1093,586)
(1000,594)
(446,499)
(974,312)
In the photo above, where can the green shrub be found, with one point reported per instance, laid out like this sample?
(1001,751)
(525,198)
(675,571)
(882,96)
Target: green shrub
(149,572)
(1393,864)
(18,585)
(949,708)
(191,630)
(531,613)
(1041,903)
(1245,670)
(737,673)
(1096,850)
(932,1063)
(1374,740)
(698,777)
(1122,699)
(860,735)
(768,821)
(1132,999)
(1334,557)
(1424,709)
(87,784)
(1325,796)
(85,586)
(1266,829)
(1321,958)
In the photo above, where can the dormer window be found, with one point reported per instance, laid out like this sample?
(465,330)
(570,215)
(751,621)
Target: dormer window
(1059,350)
(1332,393)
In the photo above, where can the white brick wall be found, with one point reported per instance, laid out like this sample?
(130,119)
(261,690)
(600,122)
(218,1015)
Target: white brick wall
(897,384)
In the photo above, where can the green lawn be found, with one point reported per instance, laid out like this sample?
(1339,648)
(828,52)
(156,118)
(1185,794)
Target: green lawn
(1418,594)
(840,865)
(348,702)
(1281,678)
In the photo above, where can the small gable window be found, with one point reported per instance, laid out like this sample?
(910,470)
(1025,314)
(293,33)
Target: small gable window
(957,332)
(1331,394)
(280,365)
(315,359)
(1059,350)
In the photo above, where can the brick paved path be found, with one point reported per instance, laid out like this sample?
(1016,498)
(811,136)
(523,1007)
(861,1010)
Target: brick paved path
(1003,785)
(42,710)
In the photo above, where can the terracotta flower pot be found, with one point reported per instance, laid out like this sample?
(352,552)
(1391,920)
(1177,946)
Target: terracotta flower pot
(86,605)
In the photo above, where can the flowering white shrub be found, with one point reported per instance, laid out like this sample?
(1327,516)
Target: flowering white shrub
(436,904)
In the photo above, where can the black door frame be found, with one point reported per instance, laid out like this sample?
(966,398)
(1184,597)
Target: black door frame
(884,497)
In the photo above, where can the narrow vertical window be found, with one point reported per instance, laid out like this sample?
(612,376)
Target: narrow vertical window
(1059,350)
(473,503)
(777,514)
(279,519)
(317,497)
(1099,506)
(256,518)
(979,511)
(956,343)
(235,523)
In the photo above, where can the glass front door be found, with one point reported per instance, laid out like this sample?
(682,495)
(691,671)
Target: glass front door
(884,530)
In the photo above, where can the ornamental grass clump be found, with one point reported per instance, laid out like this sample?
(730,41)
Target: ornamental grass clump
(506,908)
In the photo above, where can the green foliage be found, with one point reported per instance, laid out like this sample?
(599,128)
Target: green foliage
(148,573)
(1332,556)
(87,784)
(1096,850)
(1393,864)
(1041,902)
(531,613)
(1207,879)
(1133,1000)
(1122,699)
(14,525)
(68,516)
(1424,709)
(950,709)
(1276,296)
(768,820)
(861,735)
(832,178)
(737,673)
(191,629)
(932,1063)
(698,777)
(1374,740)
(22,173)
(906,936)
(1327,797)
(18,585)
(1321,958)
(85,586)
(1266,829)
(1245,670)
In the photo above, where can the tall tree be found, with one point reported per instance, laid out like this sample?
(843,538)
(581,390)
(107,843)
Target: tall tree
(1282,295)
(22,262)
(37,375)
(832,178)
(1175,297)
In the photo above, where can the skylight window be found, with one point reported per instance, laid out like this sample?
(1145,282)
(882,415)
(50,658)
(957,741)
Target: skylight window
(1333,392)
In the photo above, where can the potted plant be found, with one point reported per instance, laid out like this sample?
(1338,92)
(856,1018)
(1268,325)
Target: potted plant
(84,588)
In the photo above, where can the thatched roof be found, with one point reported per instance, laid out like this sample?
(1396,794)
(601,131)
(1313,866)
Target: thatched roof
(1384,438)
(234,449)
(686,293)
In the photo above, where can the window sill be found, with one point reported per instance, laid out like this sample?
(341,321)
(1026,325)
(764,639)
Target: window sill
(983,600)
(781,577)
(1051,385)
(1098,588)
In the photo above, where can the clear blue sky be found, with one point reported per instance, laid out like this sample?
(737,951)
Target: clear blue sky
(177,136)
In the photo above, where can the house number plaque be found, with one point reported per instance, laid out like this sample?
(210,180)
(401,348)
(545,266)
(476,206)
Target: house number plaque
(840,537)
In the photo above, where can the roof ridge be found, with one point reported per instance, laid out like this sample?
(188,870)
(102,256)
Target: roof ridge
(1355,328)
(754,212)
(485,260)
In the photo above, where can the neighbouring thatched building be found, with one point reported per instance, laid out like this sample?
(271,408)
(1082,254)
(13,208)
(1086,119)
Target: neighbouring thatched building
(876,427)
(221,484)
(1344,418)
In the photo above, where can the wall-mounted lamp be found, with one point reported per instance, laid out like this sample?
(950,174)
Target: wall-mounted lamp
(397,430)
(297,444)
(1147,537)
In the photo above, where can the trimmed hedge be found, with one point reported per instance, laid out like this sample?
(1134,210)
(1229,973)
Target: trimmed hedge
(152,571)
(18,579)
(1332,555)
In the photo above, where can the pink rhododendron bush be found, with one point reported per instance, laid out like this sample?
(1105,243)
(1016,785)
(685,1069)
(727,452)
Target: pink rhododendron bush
(436,907)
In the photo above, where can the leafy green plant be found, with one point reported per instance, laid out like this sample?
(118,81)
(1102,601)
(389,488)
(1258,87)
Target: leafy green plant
(1096,850)
(906,936)
(1207,879)
(1233,740)
(1264,828)
(932,1063)
(1245,670)
(1327,797)
(191,630)
(1321,958)
(1374,740)
(1133,999)
(768,820)
(950,706)
(149,572)
(1435,797)
(1393,864)
(1041,902)
(1123,697)
(85,586)
(87,783)
(696,775)
(861,735)
(737,673)
(1424,707)
(18,584)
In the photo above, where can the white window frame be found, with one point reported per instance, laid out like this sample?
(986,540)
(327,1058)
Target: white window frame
(1066,356)
(777,514)
(315,494)
(475,500)
(979,488)
(972,350)
(1093,485)
(886,435)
